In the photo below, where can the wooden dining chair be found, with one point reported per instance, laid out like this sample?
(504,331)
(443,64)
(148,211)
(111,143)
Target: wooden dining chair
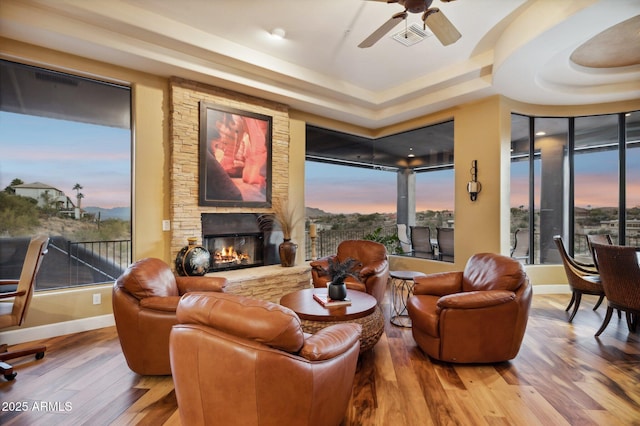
(583,279)
(14,313)
(620,276)
(597,239)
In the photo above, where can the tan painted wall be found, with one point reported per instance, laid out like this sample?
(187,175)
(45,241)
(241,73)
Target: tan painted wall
(150,177)
(481,133)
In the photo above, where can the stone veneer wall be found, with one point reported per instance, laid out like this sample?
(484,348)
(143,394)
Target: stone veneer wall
(185,97)
(268,283)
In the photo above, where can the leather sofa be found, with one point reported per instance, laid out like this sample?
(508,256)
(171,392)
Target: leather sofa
(243,361)
(475,316)
(375,267)
(145,298)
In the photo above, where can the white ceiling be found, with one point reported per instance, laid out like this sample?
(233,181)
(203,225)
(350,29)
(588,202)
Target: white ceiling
(516,48)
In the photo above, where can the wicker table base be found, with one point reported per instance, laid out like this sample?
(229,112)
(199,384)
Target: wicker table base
(372,327)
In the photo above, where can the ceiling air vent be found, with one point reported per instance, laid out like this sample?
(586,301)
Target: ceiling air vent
(412,35)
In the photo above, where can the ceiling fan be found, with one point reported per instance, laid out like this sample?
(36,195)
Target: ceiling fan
(432,17)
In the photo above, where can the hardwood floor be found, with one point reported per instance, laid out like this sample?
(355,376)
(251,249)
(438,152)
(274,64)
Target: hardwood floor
(563,375)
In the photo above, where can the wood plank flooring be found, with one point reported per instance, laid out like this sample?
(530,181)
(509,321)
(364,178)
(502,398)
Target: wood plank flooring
(563,375)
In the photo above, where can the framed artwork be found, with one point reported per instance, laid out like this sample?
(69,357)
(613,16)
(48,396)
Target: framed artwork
(235,157)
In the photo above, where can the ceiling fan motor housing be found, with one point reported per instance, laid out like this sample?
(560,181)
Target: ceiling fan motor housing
(416,6)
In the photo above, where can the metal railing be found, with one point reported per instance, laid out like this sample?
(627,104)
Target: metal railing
(328,240)
(85,262)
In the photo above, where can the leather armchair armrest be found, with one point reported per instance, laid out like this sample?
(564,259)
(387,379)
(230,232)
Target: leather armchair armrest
(373,269)
(476,299)
(321,264)
(331,341)
(191,284)
(440,284)
(157,303)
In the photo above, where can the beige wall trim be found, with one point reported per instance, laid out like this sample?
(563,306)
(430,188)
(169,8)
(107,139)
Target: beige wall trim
(22,335)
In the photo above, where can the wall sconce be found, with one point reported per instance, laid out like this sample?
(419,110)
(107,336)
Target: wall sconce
(474,187)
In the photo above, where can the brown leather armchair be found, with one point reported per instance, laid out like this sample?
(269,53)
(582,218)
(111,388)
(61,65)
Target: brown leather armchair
(243,361)
(476,316)
(375,267)
(145,298)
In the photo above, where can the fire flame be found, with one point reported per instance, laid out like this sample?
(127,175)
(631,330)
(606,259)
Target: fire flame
(229,255)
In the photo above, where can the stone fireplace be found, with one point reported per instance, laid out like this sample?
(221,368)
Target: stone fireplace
(239,240)
(252,247)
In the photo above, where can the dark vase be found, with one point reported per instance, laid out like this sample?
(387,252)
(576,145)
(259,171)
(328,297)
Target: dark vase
(287,251)
(337,291)
(193,259)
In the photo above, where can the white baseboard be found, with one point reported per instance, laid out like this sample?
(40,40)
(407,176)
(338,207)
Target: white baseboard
(30,334)
(552,289)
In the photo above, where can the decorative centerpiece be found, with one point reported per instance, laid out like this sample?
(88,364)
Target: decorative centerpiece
(338,272)
(285,217)
(193,259)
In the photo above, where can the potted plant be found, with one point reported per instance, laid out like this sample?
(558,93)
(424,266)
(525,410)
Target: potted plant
(338,272)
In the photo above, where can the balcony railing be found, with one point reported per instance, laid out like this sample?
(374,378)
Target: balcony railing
(75,263)
(328,240)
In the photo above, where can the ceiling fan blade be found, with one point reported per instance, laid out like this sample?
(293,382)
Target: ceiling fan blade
(383,30)
(441,27)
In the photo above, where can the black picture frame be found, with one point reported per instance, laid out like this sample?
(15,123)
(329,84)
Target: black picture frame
(235,157)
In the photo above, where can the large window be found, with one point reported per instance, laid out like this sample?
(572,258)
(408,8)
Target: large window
(596,193)
(571,180)
(357,187)
(632,189)
(65,171)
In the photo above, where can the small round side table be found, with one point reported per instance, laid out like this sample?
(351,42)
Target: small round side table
(402,283)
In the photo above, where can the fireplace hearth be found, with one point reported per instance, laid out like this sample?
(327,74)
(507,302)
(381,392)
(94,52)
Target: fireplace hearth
(239,240)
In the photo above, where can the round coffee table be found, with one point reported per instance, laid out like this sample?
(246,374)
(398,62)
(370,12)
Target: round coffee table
(364,310)
(402,283)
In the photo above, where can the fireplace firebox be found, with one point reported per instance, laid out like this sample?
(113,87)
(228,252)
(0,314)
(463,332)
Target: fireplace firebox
(239,240)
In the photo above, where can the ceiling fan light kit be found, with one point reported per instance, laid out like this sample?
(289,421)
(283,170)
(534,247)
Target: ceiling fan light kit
(433,18)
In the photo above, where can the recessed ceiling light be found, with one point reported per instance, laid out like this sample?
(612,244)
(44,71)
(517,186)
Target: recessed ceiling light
(278,33)
(541,133)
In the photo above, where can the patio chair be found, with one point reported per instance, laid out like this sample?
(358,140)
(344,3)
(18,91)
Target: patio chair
(403,236)
(421,242)
(445,244)
(520,249)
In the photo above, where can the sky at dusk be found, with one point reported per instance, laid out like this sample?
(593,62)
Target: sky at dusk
(595,176)
(62,153)
(343,189)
